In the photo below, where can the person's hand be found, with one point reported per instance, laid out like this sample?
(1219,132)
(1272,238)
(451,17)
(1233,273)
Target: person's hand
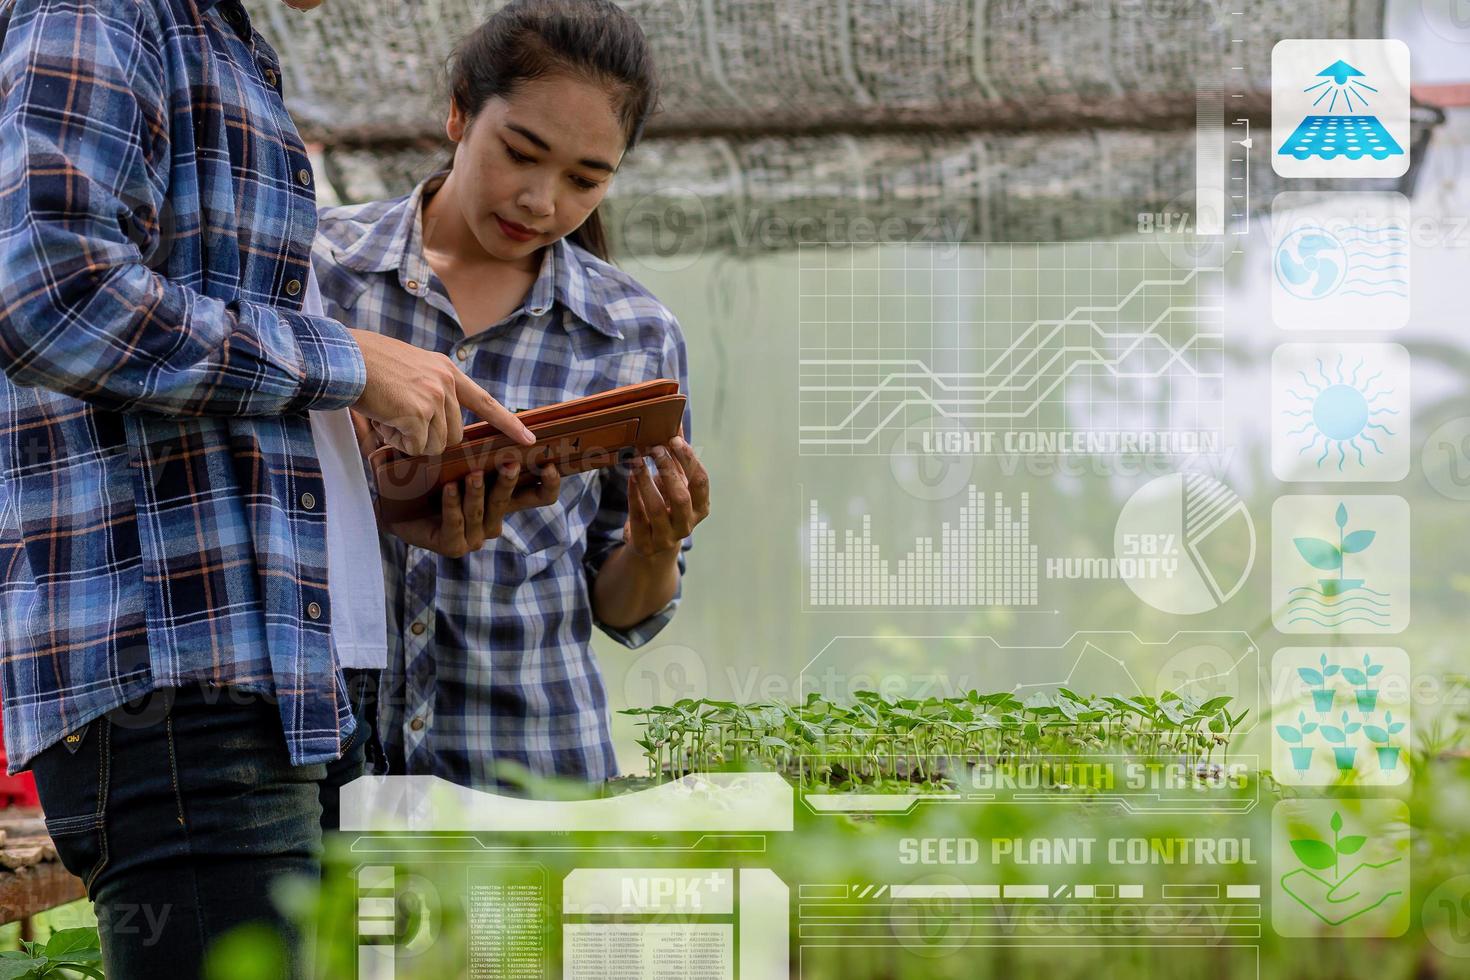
(474,510)
(663,512)
(368,439)
(1361,890)
(413,398)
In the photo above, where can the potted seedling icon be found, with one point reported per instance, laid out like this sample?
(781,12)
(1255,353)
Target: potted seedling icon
(1322,693)
(1367,697)
(1331,558)
(1388,755)
(1341,751)
(1295,735)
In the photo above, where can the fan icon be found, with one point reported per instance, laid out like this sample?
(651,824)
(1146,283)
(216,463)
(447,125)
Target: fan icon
(1310,263)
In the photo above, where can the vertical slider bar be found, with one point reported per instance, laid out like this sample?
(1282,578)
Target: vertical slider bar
(1209,162)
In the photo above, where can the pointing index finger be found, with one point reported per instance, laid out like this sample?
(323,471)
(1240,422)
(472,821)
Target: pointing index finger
(478,400)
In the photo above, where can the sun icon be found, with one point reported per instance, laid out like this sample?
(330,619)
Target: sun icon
(1340,413)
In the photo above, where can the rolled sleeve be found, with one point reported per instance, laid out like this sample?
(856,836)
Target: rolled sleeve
(605,534)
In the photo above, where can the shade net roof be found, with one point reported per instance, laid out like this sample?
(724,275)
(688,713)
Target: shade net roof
(784,121)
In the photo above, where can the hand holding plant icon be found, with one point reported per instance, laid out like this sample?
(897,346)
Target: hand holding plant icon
(1343,897)
(1329,557)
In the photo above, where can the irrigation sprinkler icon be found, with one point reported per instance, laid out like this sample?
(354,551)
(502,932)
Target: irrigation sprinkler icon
(1340,108)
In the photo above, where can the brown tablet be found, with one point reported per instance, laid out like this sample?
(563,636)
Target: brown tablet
(578,435)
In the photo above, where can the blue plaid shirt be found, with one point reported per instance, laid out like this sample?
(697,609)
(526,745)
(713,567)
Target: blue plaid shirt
(490,656)
(161,505)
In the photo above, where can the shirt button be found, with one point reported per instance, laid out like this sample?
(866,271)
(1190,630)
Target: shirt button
(270,77)
(413,284)
(461,353)
(308,501)
(417,629)
(314,610)
(304,176)
(293,288)
(417,724)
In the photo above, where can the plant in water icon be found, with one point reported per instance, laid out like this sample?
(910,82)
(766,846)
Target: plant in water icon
(1329,557)
(1337,600)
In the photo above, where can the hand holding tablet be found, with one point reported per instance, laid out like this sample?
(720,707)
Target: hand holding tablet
(574,436)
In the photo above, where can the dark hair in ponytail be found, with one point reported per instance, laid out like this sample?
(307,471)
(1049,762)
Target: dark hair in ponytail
(593,40)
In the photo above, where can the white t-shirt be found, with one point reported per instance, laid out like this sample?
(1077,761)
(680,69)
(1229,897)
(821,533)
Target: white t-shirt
(354,566)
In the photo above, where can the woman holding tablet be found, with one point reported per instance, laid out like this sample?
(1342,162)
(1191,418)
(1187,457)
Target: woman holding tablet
(500,264)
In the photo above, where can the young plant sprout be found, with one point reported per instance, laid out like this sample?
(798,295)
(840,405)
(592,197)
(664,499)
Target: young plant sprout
(881,744)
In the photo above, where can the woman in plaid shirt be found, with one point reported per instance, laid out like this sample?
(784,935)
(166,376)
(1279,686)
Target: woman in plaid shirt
(500,263)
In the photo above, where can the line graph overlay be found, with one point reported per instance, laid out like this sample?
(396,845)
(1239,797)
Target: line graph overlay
(1119,340)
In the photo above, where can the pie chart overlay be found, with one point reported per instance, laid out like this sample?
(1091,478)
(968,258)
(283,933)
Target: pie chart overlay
(1184,543)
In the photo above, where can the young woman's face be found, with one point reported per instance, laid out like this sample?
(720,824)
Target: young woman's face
(529,169)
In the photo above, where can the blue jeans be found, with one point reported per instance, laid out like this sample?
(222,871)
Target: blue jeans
(179,812)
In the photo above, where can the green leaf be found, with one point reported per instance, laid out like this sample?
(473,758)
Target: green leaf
(20,966)
(1314,853)
(1352,844)
(1289,734)
(75,944)
(1342,515)
(1173,711)
(1310,675)
(1357,541)
(1354,676)
(1319,554)
(1375,733)
(1336,822)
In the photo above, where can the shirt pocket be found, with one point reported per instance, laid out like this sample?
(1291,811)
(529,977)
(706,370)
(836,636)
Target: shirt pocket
(538,536)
